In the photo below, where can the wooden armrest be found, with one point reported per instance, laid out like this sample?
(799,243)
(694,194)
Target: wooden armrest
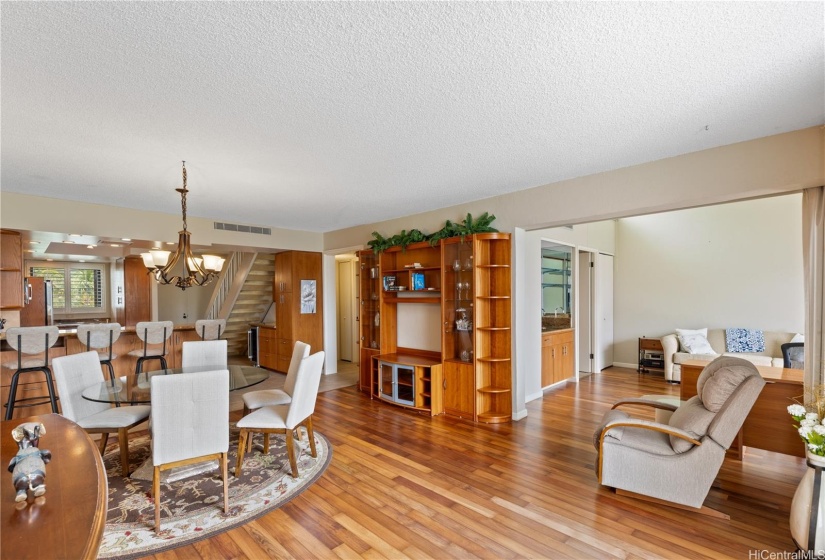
(648,425)
(646,402)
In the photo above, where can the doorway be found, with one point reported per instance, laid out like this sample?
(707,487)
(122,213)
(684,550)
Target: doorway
(347,307)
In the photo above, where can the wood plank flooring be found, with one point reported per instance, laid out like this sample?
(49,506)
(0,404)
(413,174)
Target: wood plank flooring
(403,485)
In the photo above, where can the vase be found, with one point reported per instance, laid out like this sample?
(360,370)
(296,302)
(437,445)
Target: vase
(808,508)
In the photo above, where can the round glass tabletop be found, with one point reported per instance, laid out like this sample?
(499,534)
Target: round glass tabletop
(136,389)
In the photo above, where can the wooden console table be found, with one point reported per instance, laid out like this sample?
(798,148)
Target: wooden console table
(768,425)
(69,522)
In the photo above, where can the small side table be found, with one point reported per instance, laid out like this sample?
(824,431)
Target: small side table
(651,355)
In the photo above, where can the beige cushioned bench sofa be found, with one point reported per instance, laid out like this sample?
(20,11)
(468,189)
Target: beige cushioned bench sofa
(674,355)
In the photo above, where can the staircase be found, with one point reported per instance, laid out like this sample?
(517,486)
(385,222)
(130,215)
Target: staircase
(253,302)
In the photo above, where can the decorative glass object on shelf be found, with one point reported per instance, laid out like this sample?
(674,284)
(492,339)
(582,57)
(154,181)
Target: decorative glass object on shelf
(458,300)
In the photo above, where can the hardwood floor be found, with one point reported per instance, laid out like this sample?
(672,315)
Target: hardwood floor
(403,485)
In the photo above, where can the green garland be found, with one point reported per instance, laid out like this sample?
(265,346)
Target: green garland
(466,227)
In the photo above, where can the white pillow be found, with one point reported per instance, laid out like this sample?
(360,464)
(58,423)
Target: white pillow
(694,341)
(681,333)
(798,338)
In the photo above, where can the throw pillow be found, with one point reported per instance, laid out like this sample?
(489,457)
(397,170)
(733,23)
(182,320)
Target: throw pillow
(693,418)
(690,340)
(798,338)
(696,344)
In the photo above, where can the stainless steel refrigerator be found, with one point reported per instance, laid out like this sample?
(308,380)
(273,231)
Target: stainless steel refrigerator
(38,309)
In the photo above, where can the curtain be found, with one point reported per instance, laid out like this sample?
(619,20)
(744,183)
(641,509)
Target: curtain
(813,257)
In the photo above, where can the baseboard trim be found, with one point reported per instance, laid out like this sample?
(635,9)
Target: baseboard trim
(624,365)
(520,415)
(534,396)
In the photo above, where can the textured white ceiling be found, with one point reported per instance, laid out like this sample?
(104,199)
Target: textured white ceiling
(324,115)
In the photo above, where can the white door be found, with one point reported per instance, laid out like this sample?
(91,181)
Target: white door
(345,310)
(604,311)
(584,313)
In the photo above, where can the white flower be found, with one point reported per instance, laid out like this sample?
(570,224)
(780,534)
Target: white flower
(813,447)
(812,416)
(807,422)
(819,429)
(797,410)
(805,431)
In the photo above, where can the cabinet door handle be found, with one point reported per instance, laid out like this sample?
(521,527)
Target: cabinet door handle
(554,353)
(445,384)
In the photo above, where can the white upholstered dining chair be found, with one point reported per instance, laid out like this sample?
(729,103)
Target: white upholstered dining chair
(76,372)
(254,400)
(200,353)
(190,424)
(285,418)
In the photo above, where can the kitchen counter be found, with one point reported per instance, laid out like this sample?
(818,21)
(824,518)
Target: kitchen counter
(62,332)
(556,329)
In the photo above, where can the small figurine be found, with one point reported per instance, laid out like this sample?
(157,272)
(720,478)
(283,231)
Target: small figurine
(28,467)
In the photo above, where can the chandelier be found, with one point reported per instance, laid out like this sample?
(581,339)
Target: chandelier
(196,271)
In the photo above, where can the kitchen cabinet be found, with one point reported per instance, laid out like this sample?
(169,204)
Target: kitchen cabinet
(298,294)
(131,291)
(557,356)
(11,270)
(267,347)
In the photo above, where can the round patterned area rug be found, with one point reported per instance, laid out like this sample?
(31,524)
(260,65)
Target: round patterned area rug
(192,506)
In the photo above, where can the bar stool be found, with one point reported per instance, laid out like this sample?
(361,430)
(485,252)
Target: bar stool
(210,329)
(152,332)
(97,337)
(30,340)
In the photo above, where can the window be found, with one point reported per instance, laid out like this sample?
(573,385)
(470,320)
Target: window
(76,287)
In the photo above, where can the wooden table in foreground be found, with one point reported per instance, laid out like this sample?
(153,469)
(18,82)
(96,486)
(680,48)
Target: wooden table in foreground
(69,522)
(768,425)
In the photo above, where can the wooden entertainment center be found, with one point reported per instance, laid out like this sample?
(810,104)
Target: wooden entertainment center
(454,300)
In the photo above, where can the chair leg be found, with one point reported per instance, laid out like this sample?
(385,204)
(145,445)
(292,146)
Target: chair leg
(311,436)
(241,450)
(50,388)
(12,396)
(123,441)
(266,443)
(225,482)
(290,448)
(163,362)
(156,493)
(111,371)
(104,439)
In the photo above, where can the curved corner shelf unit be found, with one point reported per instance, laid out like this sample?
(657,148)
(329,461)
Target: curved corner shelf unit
(469,279)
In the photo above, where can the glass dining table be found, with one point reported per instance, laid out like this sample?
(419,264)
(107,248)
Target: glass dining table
(136,389)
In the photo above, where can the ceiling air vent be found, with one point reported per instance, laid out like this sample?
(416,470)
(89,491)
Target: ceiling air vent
(243,228)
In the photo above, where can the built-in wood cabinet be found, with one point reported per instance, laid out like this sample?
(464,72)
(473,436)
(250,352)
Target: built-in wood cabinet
(268,347)
(131,291)
(298,294)
(468,282)
(11,270)
(369,319)
(557,356)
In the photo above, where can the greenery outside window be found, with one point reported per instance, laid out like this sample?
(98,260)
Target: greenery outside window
(76,287)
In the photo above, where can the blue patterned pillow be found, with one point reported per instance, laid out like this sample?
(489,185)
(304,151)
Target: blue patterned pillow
(745,340)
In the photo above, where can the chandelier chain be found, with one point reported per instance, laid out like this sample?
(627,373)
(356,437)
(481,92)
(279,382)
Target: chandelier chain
(183,192)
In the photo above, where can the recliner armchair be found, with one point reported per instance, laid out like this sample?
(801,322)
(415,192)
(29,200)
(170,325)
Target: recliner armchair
(677,462)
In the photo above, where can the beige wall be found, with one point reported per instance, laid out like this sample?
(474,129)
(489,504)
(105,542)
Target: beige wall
(732,265)
(37,213)
(173,304)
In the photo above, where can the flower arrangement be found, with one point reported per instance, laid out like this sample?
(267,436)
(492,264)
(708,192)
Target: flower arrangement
(811,428)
